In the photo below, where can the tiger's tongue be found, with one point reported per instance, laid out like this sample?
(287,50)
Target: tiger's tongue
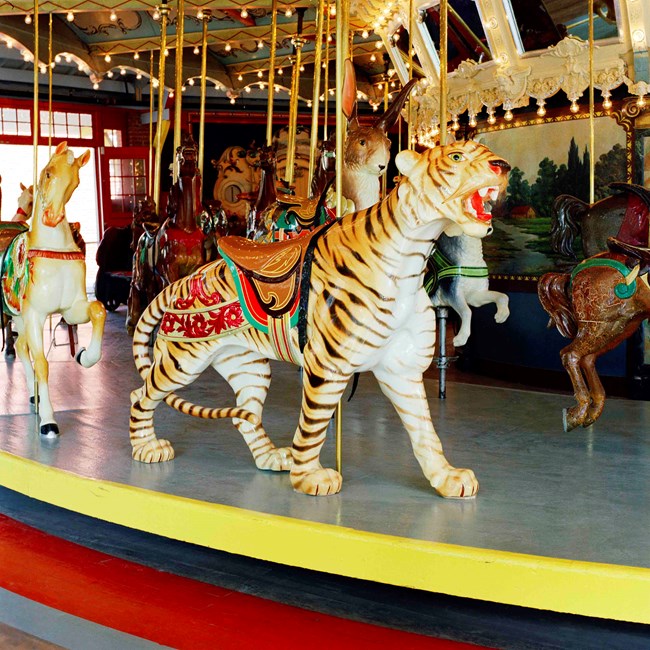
(477,204)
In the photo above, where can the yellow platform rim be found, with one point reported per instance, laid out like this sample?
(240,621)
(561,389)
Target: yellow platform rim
(569,586)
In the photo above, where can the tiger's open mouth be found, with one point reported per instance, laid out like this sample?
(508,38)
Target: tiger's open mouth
(479,205)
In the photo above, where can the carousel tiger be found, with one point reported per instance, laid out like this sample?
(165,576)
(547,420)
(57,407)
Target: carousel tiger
(363,308)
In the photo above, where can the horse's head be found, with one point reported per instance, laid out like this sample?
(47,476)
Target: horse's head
(58,180)
(453,182)
(187,156)
(25,201)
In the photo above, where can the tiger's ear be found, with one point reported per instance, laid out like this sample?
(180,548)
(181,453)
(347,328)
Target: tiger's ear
(61,147)
(406,160)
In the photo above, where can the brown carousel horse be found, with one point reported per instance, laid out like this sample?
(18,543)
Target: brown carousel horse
(599,304)
(171,251)
(594,223)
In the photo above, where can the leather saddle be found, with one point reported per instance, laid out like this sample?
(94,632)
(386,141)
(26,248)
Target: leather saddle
(303,210)
(273,271)
(638,254)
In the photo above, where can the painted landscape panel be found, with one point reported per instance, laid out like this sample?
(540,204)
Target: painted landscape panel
(548,158)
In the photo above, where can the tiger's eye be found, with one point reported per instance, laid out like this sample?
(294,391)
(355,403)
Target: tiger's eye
(456,156)
(362,143)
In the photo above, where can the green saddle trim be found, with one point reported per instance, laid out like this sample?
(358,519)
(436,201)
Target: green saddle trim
(439,267)
(622,290)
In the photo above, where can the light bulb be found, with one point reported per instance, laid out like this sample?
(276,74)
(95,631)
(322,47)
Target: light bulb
(641,101)
(379,45)
(113,16)
(199,14)
(364,33)
(57,58)
(302,68)
(190,81)
(491,118)
(309,104)
(95,86)
(373,58)
(166,51)
(139,75)
(472,121)
(607,103)
(288,13)
(280,71)
(196,49)
(541,111)
(247,89)
(183,89)
(107,58)
(508,115)
(260,74)
(28,19)
(122,71)
(228,47)
(260,45)
(380,86)
(171,94)
(232,100)
(70,17)
(156,15)
(109,74)
(240,78)
(136,55)
(244,13)
(574,108)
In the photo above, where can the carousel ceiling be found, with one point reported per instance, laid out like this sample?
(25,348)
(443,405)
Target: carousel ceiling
(503,54)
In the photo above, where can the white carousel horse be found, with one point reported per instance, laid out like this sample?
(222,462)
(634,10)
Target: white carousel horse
(461,281)
(25,204)
(45,273)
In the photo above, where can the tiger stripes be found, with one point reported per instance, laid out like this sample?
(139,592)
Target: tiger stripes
(367,311)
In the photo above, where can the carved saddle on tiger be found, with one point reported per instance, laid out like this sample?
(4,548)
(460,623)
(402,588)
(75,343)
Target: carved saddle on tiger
(269,279)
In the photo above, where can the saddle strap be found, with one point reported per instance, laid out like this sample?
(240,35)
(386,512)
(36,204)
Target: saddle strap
(280,335)
(623,290)
(55,255)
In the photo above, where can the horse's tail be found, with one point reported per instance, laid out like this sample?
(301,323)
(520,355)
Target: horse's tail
(150,318)
(568,211)
(553,290)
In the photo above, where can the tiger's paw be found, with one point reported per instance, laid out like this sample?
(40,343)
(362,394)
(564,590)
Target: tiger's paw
(455,483)
(154,451)
(318,483)
(276,460)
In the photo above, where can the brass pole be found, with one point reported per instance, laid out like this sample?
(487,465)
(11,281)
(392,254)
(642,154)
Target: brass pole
(384,180)
(207,13)
(326,84)
(49,88)
(298,42)
(592,142)
(164,12)
(150,179)
(178,81)
(274,40)
(342,46)
(410,113)
(443,72)
(315,99)
(35,116)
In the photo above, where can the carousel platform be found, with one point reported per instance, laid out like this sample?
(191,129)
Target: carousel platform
(560,522)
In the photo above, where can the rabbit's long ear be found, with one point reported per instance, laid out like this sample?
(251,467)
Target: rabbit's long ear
(350,94)
(389,118)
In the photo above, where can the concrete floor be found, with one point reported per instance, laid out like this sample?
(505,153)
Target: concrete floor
(580,495)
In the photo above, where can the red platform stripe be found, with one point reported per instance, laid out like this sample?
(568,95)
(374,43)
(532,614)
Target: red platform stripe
(172,610)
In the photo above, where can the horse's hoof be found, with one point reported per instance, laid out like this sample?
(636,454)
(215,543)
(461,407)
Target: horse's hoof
(565,421)
(49,430)
(32,401)
(78,356)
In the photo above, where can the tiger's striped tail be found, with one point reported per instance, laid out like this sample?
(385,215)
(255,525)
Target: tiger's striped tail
(150,318)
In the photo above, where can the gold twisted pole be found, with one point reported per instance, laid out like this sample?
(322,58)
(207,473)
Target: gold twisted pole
(443,72)
(150,184)
(298,42)
(410,112)
(342,48)
(207,14)
(164,13)
(178,82)
(326,84)
(592,139)
(315,99)
(35,107)
(49,88)
(274,40)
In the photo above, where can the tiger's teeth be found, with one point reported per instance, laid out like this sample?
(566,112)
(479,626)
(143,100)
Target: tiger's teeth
(483,191)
